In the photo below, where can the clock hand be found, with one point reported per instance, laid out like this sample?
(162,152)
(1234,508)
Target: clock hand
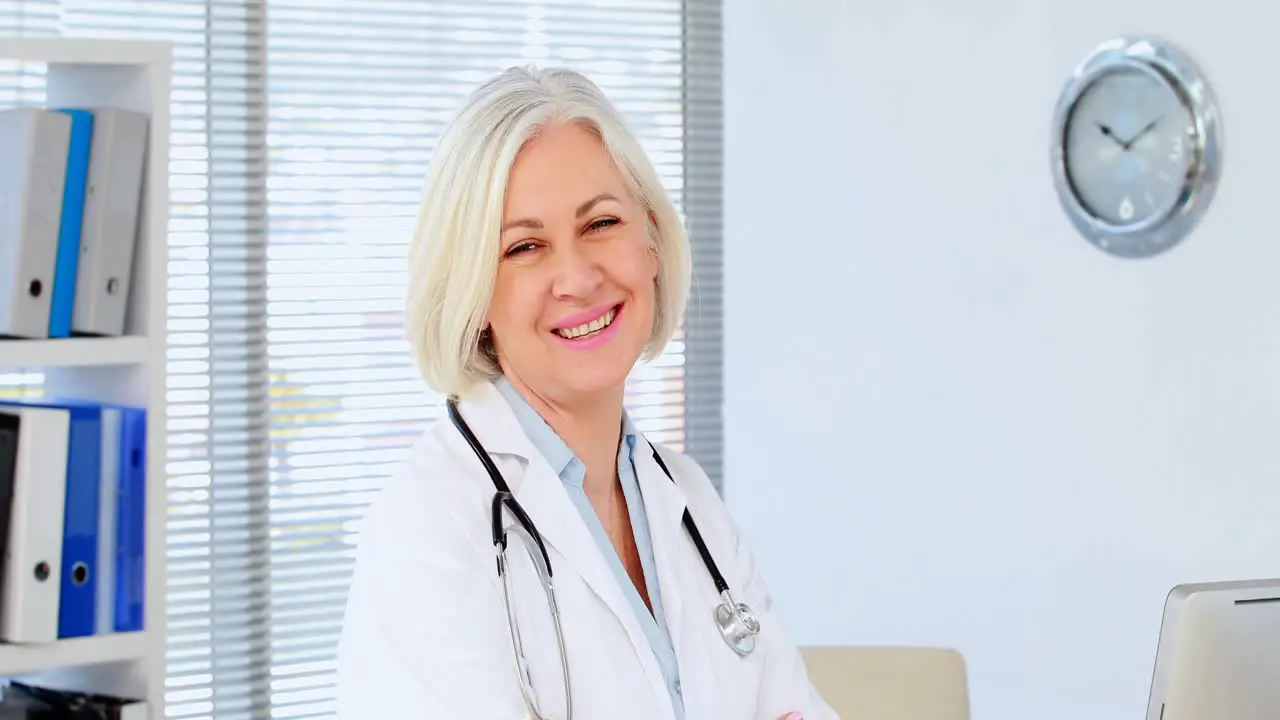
(1148,128)
(1106,130)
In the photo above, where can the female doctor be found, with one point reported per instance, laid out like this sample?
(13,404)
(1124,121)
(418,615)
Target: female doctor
(547,261)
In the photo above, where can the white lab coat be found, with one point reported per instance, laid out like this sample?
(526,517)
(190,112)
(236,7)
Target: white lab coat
(425,634)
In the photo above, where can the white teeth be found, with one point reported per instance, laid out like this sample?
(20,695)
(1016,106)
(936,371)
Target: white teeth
(594,326)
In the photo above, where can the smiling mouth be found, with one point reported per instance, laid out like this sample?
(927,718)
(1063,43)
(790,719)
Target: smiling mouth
(589,329)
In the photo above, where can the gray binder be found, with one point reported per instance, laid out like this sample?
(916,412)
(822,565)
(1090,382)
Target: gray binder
(112,206)
(34,143)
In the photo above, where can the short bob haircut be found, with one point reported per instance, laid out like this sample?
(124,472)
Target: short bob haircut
(453,260)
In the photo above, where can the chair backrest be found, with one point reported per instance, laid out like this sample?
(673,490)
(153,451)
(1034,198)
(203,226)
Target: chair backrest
(890,683)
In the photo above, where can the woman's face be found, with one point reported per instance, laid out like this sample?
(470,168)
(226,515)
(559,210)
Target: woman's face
(573,305)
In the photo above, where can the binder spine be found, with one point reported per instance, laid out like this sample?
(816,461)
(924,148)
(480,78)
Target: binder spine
(109,508)
(131,532)
(62,304)
(8,472)
(32,573)
(35,144)
(78,598)
(111,220)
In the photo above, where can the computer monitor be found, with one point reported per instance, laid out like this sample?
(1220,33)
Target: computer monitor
(1218,656)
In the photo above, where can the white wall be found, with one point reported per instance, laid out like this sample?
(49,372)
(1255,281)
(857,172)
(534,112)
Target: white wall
(949,419)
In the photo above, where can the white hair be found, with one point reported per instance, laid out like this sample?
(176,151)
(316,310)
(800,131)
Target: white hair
(453,260)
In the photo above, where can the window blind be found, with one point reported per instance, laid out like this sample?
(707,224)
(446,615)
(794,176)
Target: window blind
(301,132)
(702,168)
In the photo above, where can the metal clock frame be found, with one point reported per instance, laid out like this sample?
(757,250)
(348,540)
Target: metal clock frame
(1170,65)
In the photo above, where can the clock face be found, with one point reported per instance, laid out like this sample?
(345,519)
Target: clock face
(1128,147)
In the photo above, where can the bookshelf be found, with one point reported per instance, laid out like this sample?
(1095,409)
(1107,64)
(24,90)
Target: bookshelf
(73,352)
(129,369)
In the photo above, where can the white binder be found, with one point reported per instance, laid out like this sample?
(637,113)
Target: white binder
(32,563)
(108,511)
(111,213)
(34,143)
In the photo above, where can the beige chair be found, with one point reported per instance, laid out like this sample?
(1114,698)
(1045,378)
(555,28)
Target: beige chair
(890,683)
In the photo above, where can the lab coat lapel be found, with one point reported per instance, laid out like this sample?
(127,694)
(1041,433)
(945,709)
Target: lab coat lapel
(683,579)
(664,506)
(544,498)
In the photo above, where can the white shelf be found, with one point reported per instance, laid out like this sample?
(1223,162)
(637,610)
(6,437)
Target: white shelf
(78,652)
(77,51)
(73,352)
(135,75)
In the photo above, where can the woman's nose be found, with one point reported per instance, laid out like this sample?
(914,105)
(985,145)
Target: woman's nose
(577,272)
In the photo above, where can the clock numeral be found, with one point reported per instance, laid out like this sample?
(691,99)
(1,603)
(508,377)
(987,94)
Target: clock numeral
(1175,154)
(1126,210)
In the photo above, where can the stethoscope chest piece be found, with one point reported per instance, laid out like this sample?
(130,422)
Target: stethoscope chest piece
(738,625)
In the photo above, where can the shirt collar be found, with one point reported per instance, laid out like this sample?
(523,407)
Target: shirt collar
(547,442)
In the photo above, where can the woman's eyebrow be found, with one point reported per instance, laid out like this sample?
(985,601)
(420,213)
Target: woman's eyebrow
(583,209)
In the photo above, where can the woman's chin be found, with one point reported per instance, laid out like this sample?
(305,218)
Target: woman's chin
(597,381)
(603,373)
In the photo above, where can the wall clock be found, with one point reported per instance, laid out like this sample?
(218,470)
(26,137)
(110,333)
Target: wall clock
(1137,146)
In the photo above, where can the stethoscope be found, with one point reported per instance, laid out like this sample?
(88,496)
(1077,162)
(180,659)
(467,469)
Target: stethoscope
(737,623)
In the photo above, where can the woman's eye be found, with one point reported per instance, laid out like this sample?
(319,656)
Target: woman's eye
(602,223)
(518,248)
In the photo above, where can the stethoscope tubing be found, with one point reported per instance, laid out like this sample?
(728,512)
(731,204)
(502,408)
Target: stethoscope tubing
(703,551)
(504,497)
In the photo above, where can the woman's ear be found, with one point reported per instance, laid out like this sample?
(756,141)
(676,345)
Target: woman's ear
(488,347)
(654,234)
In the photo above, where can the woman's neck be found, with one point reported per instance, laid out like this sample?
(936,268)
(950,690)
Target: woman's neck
(592,428)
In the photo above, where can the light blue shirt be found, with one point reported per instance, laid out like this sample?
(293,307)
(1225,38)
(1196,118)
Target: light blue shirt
(572,472)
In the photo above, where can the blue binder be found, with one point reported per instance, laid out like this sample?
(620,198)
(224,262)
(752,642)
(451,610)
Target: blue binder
(119,602)
(131,522)
(63,295)
(78,599)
